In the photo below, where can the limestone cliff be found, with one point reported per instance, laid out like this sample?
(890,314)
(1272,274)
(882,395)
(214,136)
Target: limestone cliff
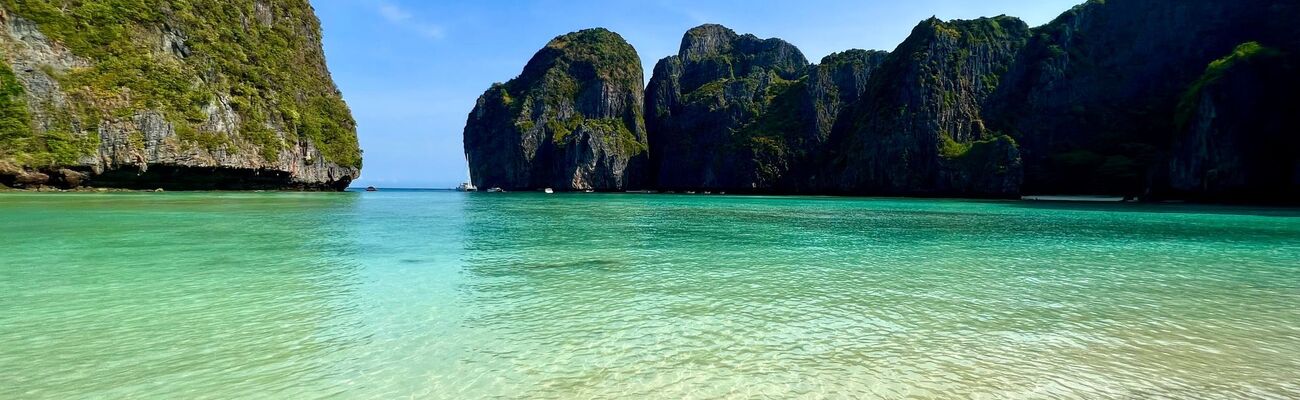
(1086,104)
(837,82)
(1092,97)
(199,94)
(735,112)
(571,121)
(918,128)
(702,105)
(1237,138)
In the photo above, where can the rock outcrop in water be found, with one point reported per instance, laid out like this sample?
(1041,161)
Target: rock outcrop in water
(709,110)
(735,112)
(175,94)
(1087,104)
(571,121)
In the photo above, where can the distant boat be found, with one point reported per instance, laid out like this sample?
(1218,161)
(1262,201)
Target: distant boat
(589,191)
(371,189)
(466,187)
(548,191)
(496,190)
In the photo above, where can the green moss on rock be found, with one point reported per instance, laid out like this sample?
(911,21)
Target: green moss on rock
(15,120)
(252,51)
(572,120)
(60,143)
(1249,52)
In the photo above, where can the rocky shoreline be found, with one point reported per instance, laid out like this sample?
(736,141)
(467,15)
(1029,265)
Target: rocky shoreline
(170,106)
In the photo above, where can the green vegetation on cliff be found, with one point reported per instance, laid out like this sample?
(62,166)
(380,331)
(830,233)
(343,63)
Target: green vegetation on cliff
(569,59)
(178,57)
(778,126)
(976,155)
(729,111)
(918,127)
(1249,52)
(608,56)
(19,142)
(986,107)
(15,120)
(572,120)
(557,75)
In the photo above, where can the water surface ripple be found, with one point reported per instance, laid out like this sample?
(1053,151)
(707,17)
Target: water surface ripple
(460,296)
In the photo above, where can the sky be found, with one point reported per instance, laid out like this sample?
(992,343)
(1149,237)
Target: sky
(411,70)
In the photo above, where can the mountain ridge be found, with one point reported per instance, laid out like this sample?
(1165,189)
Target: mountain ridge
(988,107)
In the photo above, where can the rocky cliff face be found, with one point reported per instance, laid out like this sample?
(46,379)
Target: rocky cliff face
(1237,138)
(837,82)
(709,110)
(831,87)
(1087,104)
(1092,97)
(919,128)
(174,94)
(571,121)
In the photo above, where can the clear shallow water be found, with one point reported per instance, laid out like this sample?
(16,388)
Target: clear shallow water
(448,295)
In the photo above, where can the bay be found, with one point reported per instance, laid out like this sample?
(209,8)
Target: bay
(431,294)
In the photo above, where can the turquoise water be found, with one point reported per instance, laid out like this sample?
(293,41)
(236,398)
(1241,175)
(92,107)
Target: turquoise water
(462,296)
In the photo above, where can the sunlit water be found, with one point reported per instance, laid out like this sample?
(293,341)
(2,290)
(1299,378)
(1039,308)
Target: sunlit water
(449,295)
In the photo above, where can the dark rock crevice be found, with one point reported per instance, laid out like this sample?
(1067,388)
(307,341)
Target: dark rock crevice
(172,178)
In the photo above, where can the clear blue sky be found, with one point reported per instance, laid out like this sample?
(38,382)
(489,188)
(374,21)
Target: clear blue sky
(412,69)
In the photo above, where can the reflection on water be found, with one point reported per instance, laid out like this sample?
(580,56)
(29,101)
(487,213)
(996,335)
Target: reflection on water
(450,295)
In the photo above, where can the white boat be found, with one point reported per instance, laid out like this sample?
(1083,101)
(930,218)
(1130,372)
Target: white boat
(466,187)
(496,190)
(549,191)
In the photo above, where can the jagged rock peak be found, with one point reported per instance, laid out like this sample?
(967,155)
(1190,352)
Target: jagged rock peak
(713,52)
(707,40)
(989,27)
(737,112)
(571,121)
(839,80)
(851,55)
(918,128)
(597,50)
